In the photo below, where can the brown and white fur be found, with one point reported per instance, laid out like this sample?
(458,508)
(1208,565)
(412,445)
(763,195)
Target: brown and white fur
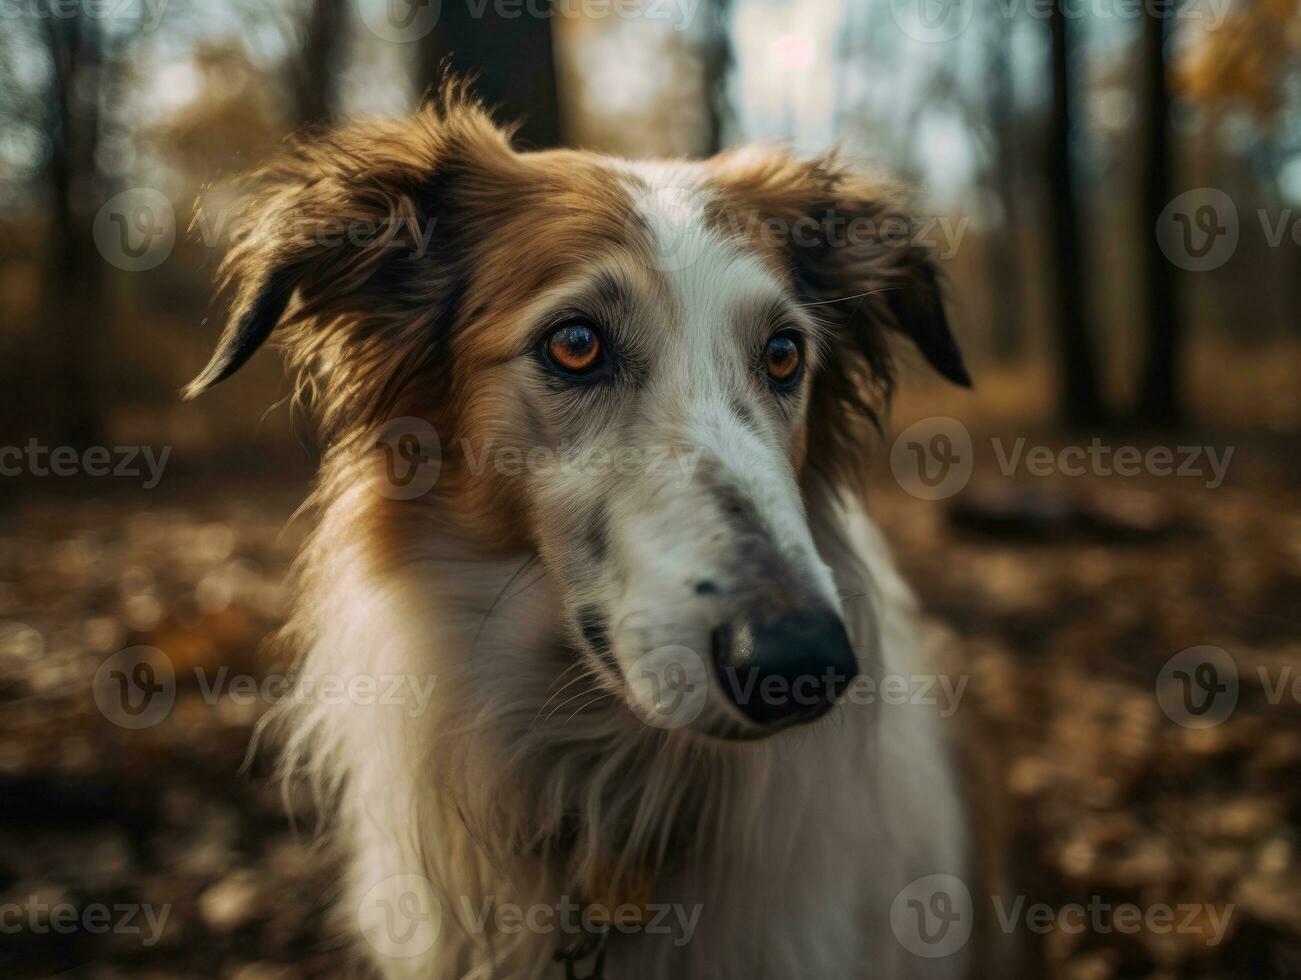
(527,593)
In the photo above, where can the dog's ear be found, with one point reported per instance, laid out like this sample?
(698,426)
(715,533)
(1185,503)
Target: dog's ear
(852,250)
(348,235)
(260,300)
(853,256)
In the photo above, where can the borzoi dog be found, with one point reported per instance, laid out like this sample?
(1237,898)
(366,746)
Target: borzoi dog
(594,447)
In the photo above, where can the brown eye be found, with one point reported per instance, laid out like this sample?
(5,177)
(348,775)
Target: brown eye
(575,348)
(783,358)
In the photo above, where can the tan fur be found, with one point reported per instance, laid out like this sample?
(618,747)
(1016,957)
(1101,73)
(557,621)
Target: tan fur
(483,581)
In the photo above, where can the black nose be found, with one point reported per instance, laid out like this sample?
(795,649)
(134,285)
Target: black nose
(785,670)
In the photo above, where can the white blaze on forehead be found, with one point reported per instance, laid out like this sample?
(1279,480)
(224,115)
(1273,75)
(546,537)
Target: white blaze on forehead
(710,275)
(670,198)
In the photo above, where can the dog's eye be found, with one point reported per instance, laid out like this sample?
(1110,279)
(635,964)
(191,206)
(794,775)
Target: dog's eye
(574,348)
(782,358)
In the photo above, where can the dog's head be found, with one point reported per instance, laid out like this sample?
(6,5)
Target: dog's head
(639,372)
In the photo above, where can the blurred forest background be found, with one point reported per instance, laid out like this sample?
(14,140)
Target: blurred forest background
(1048,138)
(1074,161)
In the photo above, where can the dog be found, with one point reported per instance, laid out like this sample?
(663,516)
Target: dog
(594,436)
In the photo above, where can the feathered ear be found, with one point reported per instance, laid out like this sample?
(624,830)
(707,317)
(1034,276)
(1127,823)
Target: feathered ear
(253,316)
(349,236)
(854,258)
(852,249)
(915,299)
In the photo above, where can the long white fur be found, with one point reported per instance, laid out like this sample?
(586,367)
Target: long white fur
(793,847)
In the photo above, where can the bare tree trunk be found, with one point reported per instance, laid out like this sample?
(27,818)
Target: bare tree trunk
(72,309)
(716,62)
(1007,320)
(512,60)
(1081,405)
(314,72)
(1159,400)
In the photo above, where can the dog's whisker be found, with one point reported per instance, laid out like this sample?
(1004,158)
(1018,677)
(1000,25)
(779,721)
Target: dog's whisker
(500,595)
(586,675)
(845,299)
(582,708)
(580,694)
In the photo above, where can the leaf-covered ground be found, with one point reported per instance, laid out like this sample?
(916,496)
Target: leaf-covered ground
(1063,601)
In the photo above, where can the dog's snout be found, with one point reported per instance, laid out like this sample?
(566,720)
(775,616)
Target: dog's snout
(787,669)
